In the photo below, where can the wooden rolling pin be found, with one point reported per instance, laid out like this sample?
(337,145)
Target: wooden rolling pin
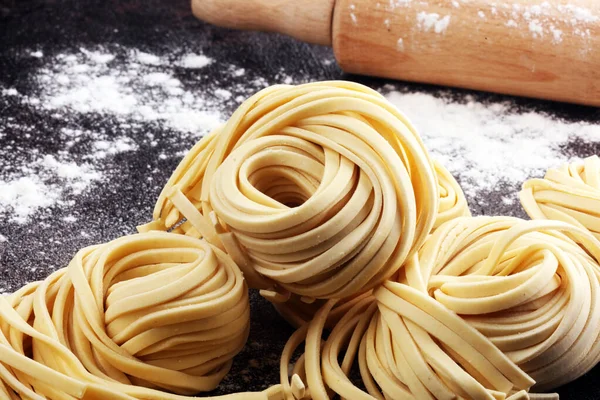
(547,49)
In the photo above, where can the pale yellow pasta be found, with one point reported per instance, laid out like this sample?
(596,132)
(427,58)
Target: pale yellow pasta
(321,190)
(489,308)
(143,312)
(451,204)
(417,349)
(570,193)
(525,285)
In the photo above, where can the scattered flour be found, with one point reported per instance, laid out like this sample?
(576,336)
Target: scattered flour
(146,58)
(400,45)
(556,20)
(142,87)
(69,218)
(24,196)
(226,94)
(103,148)
(487,145)
(535,28)
(432,21)
(556,34)
(195,61)
(78,177)
(123,91)
(353,17)
(548,18)
(393,4)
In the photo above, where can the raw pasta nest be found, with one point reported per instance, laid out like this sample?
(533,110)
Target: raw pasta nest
(570,194)
(452,204)
(322,190)
(525,285)
(488,307)
(143,312)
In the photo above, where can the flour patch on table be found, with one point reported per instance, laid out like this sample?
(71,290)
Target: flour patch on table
(43,183)
(195,61)
(129,85)
(490,145)
(124,90)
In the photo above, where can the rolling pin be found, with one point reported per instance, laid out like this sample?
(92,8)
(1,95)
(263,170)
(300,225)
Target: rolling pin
(548,49)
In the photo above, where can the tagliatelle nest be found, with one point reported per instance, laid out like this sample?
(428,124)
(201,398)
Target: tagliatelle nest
(143,312)
(321,190)
(570,193)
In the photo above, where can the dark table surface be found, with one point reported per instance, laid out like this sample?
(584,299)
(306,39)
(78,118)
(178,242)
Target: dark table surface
(115,206)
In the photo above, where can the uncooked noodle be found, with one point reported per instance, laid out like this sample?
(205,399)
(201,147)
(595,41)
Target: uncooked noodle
(143,312)
(488,307)
(525,285)
(321,190)
(570,193)
(451,204)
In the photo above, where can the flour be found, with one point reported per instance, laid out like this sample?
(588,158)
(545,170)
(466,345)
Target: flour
(139,88)
(432,21)
(24,196)
(400,45)
(535,28)
(549,18)
(104,148)
(46,181)
(489,146)
(146,58)
(77,176)
(196,61)
(124,90)
(546,18)
(556,34)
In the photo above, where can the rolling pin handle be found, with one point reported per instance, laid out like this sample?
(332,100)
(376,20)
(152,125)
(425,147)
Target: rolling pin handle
(306,20)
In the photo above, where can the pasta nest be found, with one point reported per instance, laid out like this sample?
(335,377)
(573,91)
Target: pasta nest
(488,308)
(525,285)
(451,204)
(570,193)
(143,312)
(322,190)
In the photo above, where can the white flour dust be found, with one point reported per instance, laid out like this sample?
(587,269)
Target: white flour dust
(140,87)
(122,89)
(433,21)
(539,21)
(490,145)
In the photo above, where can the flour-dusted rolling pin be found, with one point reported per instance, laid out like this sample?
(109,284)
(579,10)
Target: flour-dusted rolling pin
(546,49)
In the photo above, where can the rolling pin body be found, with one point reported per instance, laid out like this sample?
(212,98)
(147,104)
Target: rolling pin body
(547,49)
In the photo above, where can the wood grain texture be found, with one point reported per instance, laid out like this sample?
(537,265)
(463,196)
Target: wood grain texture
(549,51)
(306,20)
